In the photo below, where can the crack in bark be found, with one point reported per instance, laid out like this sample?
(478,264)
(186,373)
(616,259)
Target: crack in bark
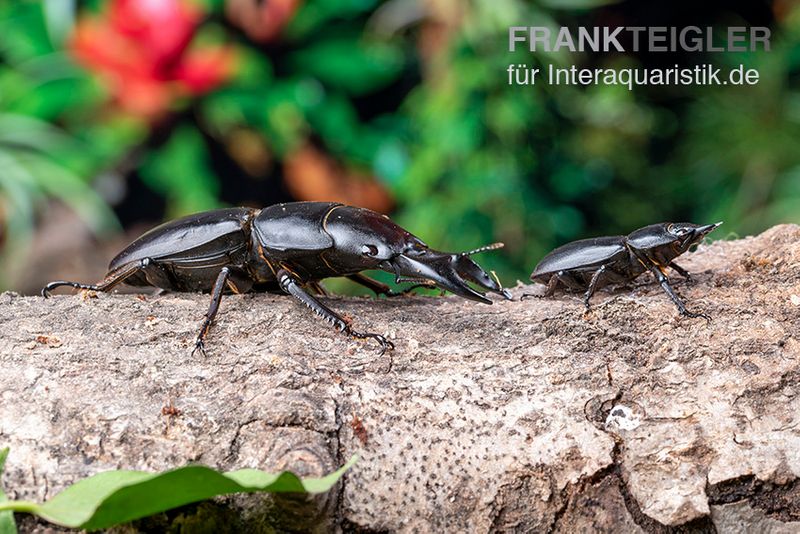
(233,445)
(616,472)
(778,501)
(701,525)
(340,460)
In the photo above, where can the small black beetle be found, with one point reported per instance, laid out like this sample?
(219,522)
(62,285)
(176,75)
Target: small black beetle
(288,247)
(591,263)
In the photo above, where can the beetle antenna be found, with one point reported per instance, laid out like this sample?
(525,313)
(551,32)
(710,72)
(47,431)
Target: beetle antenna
(493,246)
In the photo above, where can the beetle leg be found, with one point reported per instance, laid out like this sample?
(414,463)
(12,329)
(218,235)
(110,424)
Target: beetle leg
(681,271)
(552,284)
(380,288)
(213,308)
(550,289)
(111,280)
(664,281)
(593,285)
(318,289)
(290,285)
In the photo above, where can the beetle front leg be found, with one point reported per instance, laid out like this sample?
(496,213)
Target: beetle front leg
(290,285)
(664,282)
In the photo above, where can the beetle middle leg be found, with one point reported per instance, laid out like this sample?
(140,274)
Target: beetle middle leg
(292,286)
(233,280)
(593,285)
(380,288)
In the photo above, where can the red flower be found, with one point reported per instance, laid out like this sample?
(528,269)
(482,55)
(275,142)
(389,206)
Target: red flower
(141,51)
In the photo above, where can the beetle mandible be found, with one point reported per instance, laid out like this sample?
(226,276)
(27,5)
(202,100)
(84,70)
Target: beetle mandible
(288,247)
(587,264)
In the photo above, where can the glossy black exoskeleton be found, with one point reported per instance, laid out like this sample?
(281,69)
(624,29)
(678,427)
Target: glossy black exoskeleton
(290,248)
(588,264)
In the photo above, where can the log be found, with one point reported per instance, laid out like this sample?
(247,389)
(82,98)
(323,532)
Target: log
(532,416)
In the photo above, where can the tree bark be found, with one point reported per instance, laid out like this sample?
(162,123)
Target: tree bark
(530,416)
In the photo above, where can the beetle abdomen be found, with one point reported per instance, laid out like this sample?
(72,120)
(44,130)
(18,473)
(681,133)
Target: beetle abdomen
(196,241)
(582,255)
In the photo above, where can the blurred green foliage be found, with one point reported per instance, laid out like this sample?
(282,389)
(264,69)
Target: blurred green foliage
(415,96)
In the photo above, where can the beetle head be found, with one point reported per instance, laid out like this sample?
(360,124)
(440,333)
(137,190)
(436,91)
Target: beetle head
(667,241)
(448,271)
(363,239)
(688,234)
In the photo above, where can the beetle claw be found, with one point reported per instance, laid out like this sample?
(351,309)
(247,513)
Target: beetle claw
(201,346)
(693,315)
(384,343)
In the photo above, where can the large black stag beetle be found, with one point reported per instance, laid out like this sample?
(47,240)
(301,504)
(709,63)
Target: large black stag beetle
(588,264)
(288,247)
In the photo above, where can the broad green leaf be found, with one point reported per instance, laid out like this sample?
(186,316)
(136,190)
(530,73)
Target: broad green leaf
(59,183)
(116,497)
(7,524)
(59,16)
(27,132)
(24,34)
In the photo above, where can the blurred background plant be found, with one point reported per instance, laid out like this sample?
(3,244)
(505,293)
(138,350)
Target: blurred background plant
(116,115)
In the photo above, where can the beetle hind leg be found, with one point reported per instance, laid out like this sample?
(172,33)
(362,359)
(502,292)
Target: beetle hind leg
(111,280)
(290,285)
(552,285)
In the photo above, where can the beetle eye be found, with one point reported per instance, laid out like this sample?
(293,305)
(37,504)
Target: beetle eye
(369,250)
(678,231)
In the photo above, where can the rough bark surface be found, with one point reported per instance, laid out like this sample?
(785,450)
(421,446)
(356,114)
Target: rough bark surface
(529,416)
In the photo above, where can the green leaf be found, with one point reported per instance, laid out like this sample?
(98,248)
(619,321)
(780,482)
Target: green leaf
(27,132)
(7,524)
(117,497)
(354,66)
(313,17)
(59,17)
(59,183)
(181,172)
